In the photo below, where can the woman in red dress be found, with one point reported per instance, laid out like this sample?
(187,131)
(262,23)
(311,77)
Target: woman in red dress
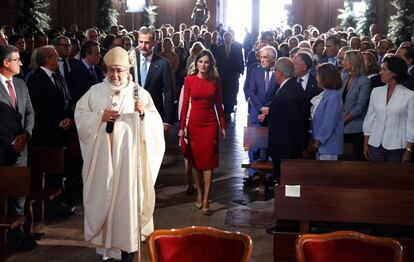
(202,86)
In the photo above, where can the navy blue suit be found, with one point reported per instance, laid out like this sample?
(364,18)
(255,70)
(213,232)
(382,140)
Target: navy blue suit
(259,97)
(159,84)
(81,79)
(287,121)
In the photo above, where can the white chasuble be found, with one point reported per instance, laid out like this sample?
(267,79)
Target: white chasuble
(115,164)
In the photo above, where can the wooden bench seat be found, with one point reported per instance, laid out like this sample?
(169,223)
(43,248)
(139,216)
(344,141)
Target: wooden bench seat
(257,137)
(14,182)
(337,194)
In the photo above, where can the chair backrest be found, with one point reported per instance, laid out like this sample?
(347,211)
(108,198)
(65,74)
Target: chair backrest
(197,243)
(46,159)
(255,137)
(344,246)
(14,181)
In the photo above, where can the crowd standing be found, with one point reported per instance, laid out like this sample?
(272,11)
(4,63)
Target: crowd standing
(325,96)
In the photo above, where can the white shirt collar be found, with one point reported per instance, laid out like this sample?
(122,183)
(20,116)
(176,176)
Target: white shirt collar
(148,58)
(47,71)
(411,67)
(305,79)
(86,64)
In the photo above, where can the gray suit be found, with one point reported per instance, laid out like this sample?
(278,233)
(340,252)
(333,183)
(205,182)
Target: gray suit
(356,102)
(14,122)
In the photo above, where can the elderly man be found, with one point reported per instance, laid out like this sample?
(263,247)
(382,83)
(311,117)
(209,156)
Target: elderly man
(51,101)
(122,142)
(62,45)
(262,88)
(287,116)
(16,124)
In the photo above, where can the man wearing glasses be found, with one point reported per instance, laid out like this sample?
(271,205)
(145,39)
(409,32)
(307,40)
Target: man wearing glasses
(122,142)
(16,123)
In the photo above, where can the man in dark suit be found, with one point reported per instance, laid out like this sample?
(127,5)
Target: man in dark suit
(303,63)
(154,74)
(62,46)
(407,53)
(16,121)
(332,45)
(231,66)
(286,119)
(87,72)
(51,101)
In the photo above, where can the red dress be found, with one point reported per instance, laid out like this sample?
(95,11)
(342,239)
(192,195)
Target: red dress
(203,126)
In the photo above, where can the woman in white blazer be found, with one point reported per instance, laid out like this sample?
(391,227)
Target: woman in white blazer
(389,124)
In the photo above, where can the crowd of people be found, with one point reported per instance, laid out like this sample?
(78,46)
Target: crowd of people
(324,96)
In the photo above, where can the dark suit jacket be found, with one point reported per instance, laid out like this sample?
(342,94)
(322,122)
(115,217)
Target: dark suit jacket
(230,66)
(286,120)
(376,81)
(159,84)
(410,83)
(51,105)
(13,121)
(312,88)
(81,79)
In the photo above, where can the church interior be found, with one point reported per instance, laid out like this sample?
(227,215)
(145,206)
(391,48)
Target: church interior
(230,165)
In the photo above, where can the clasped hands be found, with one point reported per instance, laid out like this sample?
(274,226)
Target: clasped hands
(110,115)
(264,111)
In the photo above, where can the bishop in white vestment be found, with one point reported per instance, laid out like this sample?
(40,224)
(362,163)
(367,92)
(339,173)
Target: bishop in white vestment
(120,167)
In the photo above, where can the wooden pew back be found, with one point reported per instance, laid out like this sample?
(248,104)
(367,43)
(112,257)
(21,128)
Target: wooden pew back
(348,174)
(14,181)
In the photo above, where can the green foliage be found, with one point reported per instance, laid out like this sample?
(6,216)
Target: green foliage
(106,16)
(32,16)
(148,15)
(346,18)
(401,25)
(367,19)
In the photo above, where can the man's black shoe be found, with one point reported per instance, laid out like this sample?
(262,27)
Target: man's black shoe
(27,245)
(127,257)
(271,230)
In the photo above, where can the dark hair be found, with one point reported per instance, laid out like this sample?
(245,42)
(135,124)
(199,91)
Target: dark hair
(6,51)
(409,52)
(334,39)
(212,73)
(146,30)
(329,76)
(14,38)
(306,58)
(86,48)
(398,66)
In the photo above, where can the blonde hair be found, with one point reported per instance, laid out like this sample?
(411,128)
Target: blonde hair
(356,60)
(371,66)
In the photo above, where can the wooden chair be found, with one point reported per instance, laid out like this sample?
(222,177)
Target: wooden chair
(45,161)
(14,182)
(341,246)
(257,137)
(197,243)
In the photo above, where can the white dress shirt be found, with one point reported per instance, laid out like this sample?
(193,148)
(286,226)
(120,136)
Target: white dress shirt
(305,79)
(49,73)
(390,125)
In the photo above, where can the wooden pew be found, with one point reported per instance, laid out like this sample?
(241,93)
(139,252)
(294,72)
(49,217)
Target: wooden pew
(45,161)
(258,137)
(14,182)
(370,195)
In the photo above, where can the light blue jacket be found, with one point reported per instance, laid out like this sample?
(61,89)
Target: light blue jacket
(328,123)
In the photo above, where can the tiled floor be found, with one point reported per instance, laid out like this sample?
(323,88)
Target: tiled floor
(233,207)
